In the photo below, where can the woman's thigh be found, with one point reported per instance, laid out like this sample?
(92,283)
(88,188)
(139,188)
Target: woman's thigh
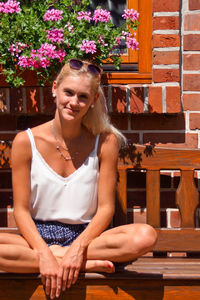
(12,238)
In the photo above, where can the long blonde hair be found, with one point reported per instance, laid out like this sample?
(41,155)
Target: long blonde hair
(96,120)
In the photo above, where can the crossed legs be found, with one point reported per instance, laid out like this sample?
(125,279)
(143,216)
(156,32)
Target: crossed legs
(119,244)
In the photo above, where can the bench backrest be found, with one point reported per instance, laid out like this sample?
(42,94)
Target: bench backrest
(153,160)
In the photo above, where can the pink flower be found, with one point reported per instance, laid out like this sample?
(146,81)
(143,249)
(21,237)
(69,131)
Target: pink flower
(10,7)
(131,14)
(132,43)
(84,15)
(118,40)
(88,46)
(55,35)
(53,15)
(69,27)
(101,41)
(2,6)
(101,15)
(15,49)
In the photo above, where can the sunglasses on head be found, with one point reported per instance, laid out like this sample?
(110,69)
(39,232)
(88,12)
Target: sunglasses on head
(78,64)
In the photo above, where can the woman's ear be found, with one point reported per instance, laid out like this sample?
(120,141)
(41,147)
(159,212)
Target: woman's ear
(96,97)
(54,89)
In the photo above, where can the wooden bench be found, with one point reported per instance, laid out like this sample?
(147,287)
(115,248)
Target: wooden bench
(155,276)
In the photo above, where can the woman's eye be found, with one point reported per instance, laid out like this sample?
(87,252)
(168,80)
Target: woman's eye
(69,93)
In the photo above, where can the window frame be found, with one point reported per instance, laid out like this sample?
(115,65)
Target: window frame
(143,57)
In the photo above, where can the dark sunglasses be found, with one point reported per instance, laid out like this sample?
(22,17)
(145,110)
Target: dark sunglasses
(78,64)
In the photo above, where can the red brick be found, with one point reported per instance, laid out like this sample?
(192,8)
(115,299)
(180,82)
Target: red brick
(3,107)
(33,99)
(191,82)
(191,102)
(191,61)
(7,122)
(136,100)
(5,179)
(167,199)
(6,199)
(175,220)
(194,4)
(119,99)
(194,121)
(173,99)
(16,100)
(120,121)
(7,219)
(155,99)
(178,140)
(166,57)
(163,5)
(136,179)
(134,137)
(49,105)
(171,22)
(130,217)
(26,121)
(192,22)
(136,199)
(166,75)
(140,217)
(5,154)
(166,40)
(158,121)
(191,42)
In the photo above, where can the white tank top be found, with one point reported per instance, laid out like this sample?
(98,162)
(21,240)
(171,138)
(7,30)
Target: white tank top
(71,199)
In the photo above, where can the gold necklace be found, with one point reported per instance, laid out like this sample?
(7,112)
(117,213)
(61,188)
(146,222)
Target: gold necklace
(58,147)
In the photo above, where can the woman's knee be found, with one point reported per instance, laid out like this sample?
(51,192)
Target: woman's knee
(141,237)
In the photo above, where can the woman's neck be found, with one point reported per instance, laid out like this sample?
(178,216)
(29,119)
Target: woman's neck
(67,129)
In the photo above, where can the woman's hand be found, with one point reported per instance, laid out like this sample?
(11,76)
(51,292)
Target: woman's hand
(70,266)
(49,269)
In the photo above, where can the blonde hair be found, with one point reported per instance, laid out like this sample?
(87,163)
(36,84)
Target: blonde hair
(96,120)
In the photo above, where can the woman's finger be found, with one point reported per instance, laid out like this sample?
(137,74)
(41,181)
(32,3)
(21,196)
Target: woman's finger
(59,283)
(70,277)
(76,273)
(43,279)
(47,285)
(53,287)
(65,278)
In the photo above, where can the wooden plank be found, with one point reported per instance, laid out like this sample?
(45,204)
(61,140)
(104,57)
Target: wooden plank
(187,199)
(120,217)
(158,158)
(153,197)
(186,240)
(145,36)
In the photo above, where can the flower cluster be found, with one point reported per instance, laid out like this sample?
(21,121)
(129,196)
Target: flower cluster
(42,35)
(53,15)
(130,14)
(10,7)
(55,35)
(101,15)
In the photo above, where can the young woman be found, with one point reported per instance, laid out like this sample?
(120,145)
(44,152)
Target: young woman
(64,177)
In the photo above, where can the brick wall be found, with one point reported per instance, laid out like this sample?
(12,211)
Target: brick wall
(165,112)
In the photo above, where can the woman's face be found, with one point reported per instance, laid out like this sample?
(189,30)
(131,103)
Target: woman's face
(74,96)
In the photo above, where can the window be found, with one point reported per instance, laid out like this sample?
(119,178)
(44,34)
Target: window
(136,66)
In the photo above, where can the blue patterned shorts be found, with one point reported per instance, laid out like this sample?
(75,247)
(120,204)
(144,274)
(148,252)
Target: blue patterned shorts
(57,233)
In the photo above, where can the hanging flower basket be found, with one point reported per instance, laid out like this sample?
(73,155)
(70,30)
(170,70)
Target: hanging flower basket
(42,35)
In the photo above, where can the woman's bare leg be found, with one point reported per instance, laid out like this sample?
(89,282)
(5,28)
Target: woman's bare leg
(119,244)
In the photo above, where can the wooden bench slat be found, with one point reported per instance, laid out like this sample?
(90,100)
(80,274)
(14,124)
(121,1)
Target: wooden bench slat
(153,197)
(184,240)
(187,199)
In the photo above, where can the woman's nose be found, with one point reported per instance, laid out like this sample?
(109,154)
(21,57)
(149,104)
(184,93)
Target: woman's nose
(74,100)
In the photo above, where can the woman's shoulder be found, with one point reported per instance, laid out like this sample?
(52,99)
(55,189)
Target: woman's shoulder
(108,145)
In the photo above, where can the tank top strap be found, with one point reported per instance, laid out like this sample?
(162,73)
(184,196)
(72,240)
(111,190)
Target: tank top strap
(31,138)
(96,144)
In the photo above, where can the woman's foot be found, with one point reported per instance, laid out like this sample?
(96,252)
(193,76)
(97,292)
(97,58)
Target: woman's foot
(98,266)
